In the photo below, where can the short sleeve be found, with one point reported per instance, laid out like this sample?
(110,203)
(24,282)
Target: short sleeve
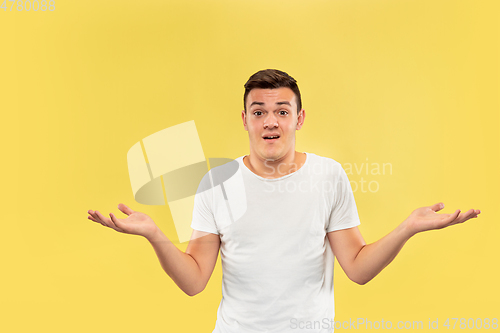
(344,213)
(203,216)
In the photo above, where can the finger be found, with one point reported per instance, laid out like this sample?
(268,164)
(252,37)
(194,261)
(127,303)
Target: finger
(116,222)
(92,219)
(125,209)
(106,221)
(96,217)
(452,218)
(91,214)
(473,213)
(99,218)
(465,216)
(437,207)
(476,214)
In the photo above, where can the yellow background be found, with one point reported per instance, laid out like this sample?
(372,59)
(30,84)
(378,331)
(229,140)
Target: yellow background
(411,83)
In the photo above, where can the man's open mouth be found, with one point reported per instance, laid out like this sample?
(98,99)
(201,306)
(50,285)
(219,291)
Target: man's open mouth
(271,138)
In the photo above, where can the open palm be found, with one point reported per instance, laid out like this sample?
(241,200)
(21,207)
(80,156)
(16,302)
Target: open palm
(136,223)
(427,218)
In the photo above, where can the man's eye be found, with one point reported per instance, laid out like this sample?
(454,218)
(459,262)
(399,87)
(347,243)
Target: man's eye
(257,113)
(283,112)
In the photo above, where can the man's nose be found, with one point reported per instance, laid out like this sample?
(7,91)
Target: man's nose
(271,121)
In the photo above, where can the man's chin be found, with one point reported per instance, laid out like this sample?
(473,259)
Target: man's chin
(272,157)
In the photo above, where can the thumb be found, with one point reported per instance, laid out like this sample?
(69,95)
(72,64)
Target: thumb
(124,209)
(437,207)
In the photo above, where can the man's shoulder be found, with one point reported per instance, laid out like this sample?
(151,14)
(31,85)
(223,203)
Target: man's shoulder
(328,162)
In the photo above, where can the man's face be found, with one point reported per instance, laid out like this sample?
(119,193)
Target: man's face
(271,121)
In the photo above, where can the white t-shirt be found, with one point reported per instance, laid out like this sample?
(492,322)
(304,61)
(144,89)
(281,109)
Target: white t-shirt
(277,262)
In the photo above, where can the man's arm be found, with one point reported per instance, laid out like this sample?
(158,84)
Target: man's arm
(363,262)
(190,270)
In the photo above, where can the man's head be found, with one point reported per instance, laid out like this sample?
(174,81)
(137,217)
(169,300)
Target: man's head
(272,115)
(272,79)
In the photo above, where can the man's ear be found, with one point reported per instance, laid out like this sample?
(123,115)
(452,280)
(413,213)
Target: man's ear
(300,119)
(244,118)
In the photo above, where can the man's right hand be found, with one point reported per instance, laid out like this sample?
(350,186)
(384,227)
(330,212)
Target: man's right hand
(190,270)
(136,223)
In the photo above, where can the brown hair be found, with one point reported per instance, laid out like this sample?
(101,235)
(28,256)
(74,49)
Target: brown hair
(272,79)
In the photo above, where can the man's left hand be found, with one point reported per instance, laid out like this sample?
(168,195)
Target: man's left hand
(427,218)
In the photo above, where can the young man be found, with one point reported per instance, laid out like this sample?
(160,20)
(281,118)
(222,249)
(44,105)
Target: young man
(278,223)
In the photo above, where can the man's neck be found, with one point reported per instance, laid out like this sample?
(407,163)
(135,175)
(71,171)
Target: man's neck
(275,169)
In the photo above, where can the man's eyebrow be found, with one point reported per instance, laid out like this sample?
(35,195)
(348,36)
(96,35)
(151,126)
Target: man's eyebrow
(284,102)
(256,103)
(277,103)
